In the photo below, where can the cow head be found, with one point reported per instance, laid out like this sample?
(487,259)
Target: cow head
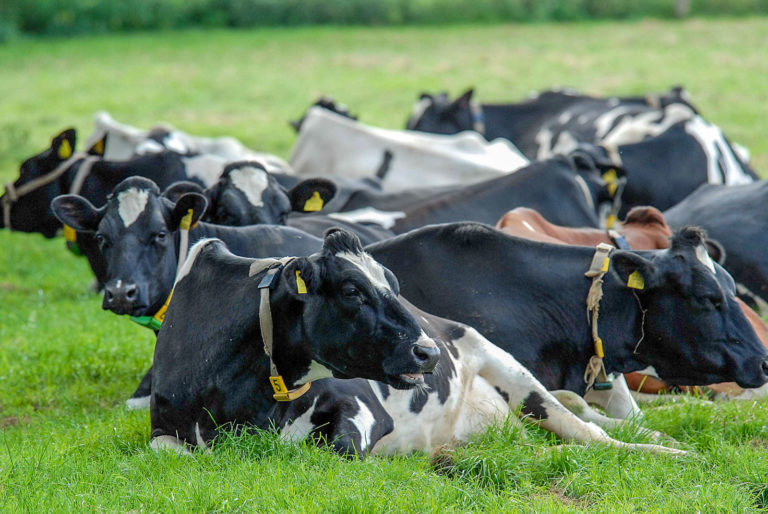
(326,102)
(137,233)
(604,179)
(351,319)
(694,330)
(439,115)
(246,194)
(32,212)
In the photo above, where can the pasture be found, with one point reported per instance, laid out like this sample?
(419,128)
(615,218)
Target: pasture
(66,366)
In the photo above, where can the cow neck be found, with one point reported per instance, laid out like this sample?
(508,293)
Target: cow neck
(273,268)
(155,321)
(13,193)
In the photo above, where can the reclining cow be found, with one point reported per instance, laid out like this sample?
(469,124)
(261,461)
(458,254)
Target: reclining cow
(140,233)
(677,314)
(334,145)
(643,229)
(736,217)
(119,142)
(553,122)
(247,194)
(211,369)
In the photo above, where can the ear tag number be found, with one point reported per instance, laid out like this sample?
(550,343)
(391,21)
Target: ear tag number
(65,150)
(301,287)
(635,281)
(314,204)
(277,384)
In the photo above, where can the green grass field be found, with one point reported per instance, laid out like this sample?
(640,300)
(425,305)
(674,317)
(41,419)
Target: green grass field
(66,441)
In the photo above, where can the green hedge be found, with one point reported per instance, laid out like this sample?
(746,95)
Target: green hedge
(68,17)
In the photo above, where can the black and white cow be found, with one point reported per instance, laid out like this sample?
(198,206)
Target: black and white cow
(736,217)
(553,122)
(138,232)
(211,371)
(247,194)
(664,169)
(559,187)
(530,299)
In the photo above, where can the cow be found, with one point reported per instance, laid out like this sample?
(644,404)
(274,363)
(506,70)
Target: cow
(643,229)
(247,194)
(672,310)
(734,216)
(140,238)
(554,121)
(564,189)
(330,144)
(211,369)
(116,141)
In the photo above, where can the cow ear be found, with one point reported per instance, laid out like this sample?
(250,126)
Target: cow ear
(63,145)
(98,147)
(77,212)
(195,202)
(311,195)
(462,102)
(715,250)
(635,271)
(178,189)
(300,278)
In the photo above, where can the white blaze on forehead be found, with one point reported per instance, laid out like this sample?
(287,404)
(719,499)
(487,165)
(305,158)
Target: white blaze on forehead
(131,203)
(372,270)
(364,422)
(703,256)
(300,428)
(252,182)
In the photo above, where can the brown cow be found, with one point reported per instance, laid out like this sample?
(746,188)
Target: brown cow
(643,229)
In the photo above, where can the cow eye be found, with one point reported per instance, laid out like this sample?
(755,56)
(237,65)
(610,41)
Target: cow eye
(101,240)
(350,291)
(160,236)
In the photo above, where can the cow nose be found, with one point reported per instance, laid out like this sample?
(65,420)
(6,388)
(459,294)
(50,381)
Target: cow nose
(120,296)
(425,356)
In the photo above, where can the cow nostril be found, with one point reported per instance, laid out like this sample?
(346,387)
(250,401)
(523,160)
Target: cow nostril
(108,295)
(130,292)
(764,367)
(426,357)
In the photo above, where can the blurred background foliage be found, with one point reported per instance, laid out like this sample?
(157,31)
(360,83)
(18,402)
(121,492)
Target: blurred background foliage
(74,17)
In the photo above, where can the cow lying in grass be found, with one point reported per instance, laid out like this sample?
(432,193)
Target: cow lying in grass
(643,229)
(210,367)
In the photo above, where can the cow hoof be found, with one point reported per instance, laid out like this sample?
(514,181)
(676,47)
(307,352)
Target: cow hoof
(137,403)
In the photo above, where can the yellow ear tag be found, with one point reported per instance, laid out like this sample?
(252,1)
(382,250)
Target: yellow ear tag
(314,204)
(70,234)
(186,221)
(98,148)
(278,384)
(65,150)
(301,287)
(635,281)
(610,221)
(610,178)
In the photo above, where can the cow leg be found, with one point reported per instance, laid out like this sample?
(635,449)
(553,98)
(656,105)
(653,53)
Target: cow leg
(140,398)
(616,402)
(522,389)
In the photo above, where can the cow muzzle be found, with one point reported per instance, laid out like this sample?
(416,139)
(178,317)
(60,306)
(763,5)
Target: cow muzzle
(120,297)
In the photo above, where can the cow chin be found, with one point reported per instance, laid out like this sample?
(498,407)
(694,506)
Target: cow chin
(405,380)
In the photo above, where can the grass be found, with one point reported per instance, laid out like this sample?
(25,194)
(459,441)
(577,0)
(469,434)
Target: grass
(66,442)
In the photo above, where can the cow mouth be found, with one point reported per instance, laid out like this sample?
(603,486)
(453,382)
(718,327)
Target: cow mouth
(412,378)
(405,380)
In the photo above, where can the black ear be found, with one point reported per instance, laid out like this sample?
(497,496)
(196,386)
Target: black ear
(462,102)
(63,145)
(635,271)
(98,147)
(77,212)
(178,189)
(300,278)
(311,195)
(425,96)
(715,250)
(195,202)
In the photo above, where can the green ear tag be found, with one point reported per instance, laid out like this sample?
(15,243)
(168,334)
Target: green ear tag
(635,281)
(65,150)
(314,204)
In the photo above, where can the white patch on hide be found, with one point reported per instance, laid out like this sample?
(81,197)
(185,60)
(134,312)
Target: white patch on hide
(364,422)
(713,143)
(703,256)
(386,219)
(252,182)
(300,428)
(372,270)
(131,203)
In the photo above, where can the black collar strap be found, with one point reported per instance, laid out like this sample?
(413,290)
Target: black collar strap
(268,281)
(595,374)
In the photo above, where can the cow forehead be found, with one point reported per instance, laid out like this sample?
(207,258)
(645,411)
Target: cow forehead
(252,182)
(372,270)
(131,203)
